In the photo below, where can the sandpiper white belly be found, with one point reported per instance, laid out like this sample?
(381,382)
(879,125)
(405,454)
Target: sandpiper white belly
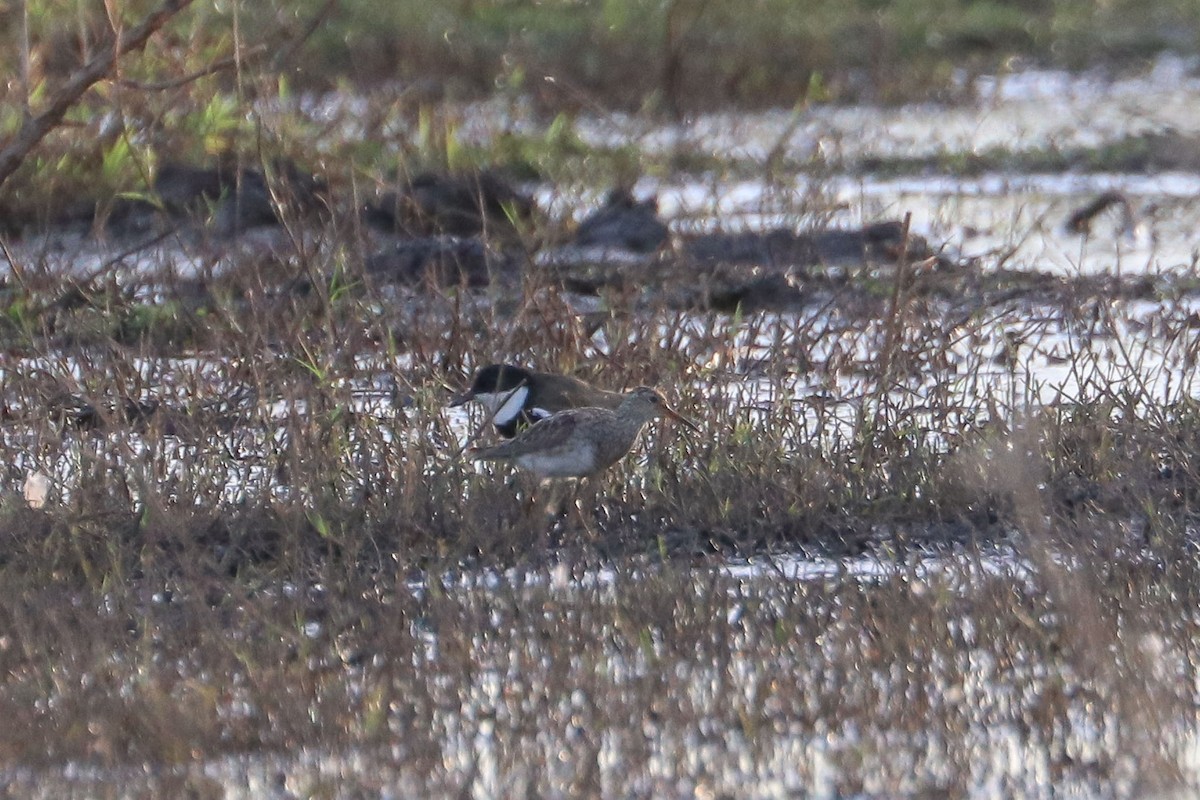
(564,462)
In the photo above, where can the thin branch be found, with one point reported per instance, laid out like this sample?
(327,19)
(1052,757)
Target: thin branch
(34,129)
(26,60)
(217,66)
(285,54)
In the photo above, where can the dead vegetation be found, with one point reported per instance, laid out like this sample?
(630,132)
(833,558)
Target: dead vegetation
(280,499)
(259,561)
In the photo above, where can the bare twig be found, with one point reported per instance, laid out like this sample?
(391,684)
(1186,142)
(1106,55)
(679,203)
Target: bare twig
(36,127)
(285,54)
(893,327)
(217,66)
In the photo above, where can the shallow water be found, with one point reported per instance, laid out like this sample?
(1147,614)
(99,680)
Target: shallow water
(1014,221)
(1023,110)
(973,216)
(782,693)
(1145,347)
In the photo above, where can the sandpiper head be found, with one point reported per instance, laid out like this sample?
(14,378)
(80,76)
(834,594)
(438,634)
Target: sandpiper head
(646,403)
(494,379)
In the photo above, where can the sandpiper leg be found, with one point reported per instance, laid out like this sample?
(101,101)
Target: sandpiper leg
(551,512)
(584,502)
(533,514)
(563,508)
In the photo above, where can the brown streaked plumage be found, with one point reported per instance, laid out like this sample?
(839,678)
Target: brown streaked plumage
(582,442)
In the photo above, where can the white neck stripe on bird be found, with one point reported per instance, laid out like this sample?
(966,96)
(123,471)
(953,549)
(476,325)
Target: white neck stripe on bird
(504,406)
